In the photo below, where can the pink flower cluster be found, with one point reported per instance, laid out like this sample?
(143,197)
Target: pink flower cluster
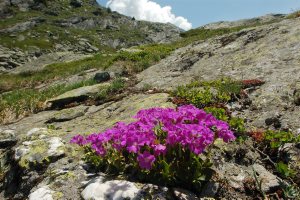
(157,130)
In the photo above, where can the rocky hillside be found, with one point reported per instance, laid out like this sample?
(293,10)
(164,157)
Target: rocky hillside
(246,75)
(271,18)
(269,52)
(45,32)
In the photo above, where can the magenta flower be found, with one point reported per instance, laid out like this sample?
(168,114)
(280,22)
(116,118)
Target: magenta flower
(159,149)
(158,130)
(78,139)
(146,160)
(99,149)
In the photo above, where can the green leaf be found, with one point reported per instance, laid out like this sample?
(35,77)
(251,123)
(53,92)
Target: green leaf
(166,168)
(275,144)
(283,169)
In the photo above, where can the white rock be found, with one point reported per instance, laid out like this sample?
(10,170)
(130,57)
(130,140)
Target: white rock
(42,136)
(20,152)
(12,132)
(27,143)
(269,180)
(54,144)
(236,181)
(234,174)
(182,194)
(110,190)
(43,193)
(48,147)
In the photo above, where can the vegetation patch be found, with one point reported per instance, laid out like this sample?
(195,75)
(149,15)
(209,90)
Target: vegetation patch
(22,102)
(19,103)
(144,57)
(31,79)
(204,94)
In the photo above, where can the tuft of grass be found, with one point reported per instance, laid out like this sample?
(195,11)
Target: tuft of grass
(276,139)
(219,113)
(285,170)
(212,97)
(291,191)
(238,125)
(115,87)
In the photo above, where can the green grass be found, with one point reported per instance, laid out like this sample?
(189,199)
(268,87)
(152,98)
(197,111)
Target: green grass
(139,61)
(147,56)
(18,18)
(23,101)
(25,44)
(10,82)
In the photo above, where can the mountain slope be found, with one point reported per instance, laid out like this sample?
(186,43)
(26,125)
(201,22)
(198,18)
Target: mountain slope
(270,53)
(30,29)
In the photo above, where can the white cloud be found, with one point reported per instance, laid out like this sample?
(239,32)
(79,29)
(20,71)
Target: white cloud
(148,10)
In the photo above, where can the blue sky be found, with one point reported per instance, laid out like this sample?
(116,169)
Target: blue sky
(200,12)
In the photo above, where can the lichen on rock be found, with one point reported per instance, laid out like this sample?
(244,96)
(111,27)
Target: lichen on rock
(40,148)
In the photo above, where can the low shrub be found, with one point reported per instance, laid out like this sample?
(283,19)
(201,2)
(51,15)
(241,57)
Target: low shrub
(285,170)
(237,124)
(203,94)
(162,146)
(219,113)
(276,139)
